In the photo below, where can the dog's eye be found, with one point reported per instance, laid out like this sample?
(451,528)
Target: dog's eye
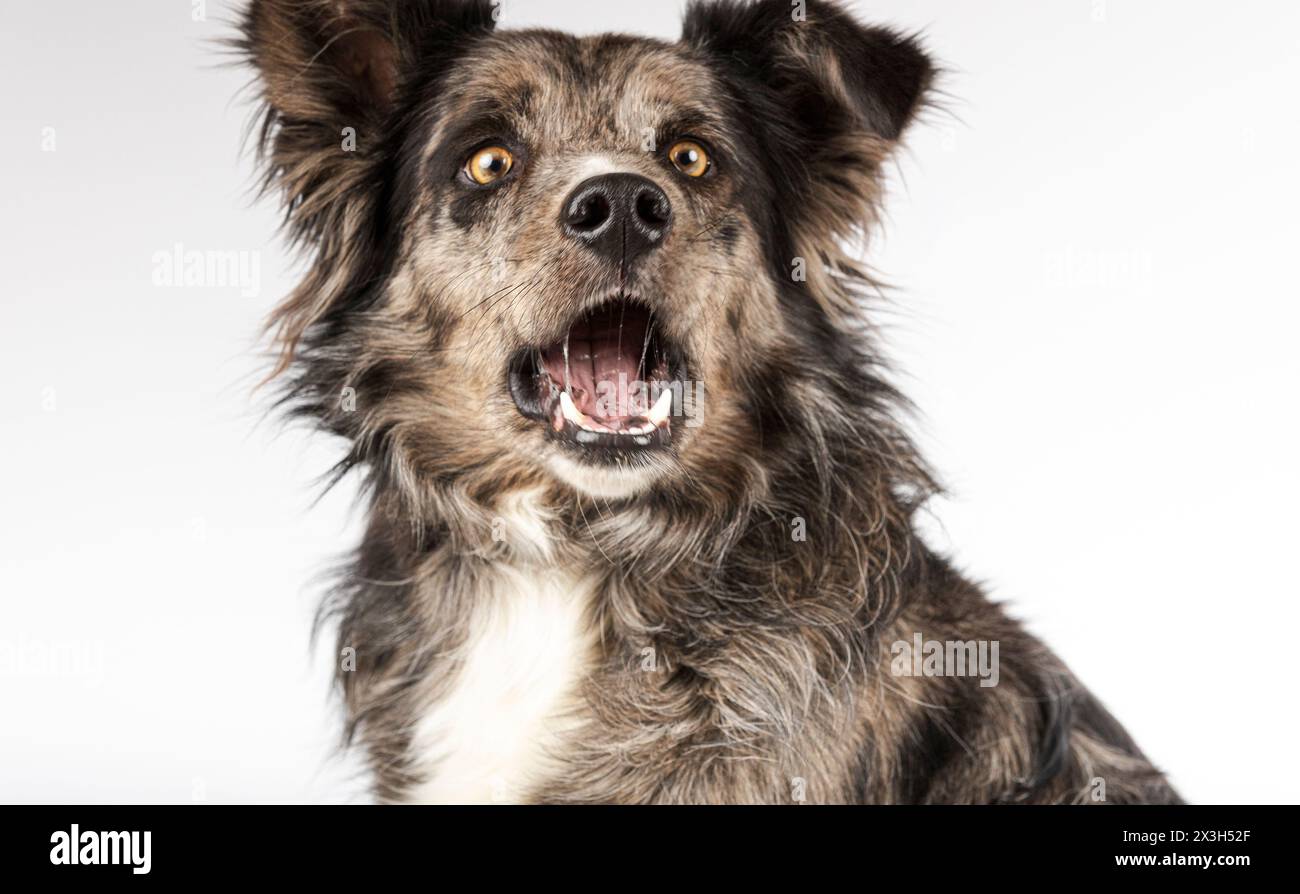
(690,158)
(489,165)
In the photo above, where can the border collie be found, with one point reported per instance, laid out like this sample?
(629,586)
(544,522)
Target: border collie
(640,496)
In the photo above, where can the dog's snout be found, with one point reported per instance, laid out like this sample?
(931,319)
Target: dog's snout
(619,216)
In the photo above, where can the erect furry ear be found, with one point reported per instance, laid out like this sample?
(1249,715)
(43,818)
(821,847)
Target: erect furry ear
(344,59)
(830,99)
(819,57)
(332,73)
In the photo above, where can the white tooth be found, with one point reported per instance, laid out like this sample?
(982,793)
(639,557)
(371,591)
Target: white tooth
(569,410)
(663,406)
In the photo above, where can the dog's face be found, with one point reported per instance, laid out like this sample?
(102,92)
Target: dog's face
(608,262)
(581,209)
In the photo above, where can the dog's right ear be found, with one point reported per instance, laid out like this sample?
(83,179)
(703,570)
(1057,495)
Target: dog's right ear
(332,73)
(327,66)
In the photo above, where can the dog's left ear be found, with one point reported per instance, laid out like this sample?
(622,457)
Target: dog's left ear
(829,99)
(817,60)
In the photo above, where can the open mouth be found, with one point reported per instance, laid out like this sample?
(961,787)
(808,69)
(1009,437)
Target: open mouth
(612,384)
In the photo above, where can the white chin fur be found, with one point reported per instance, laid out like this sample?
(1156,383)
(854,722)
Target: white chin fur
(612,483)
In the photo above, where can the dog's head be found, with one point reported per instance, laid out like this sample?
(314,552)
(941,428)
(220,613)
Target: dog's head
(609,263)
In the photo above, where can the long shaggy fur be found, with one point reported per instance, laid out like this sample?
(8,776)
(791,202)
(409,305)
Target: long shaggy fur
(772,677)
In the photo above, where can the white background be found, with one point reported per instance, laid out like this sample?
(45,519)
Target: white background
(1093,245)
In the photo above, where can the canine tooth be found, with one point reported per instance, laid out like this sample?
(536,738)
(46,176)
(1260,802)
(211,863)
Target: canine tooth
(642,440)
(569,410)
(566,360)
(663,406)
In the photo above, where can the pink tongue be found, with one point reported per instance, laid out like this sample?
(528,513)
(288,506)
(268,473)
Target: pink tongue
(603,374)
(604,370)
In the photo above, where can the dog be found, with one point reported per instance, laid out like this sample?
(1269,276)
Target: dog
(640,496)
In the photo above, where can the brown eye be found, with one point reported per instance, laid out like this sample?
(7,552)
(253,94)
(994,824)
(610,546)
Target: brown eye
(489,165)
(690,158)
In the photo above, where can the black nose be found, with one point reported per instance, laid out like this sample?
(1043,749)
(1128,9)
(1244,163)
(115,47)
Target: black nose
(619,216)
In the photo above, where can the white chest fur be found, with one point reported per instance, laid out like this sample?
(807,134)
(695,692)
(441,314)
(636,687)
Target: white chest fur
(495,733)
